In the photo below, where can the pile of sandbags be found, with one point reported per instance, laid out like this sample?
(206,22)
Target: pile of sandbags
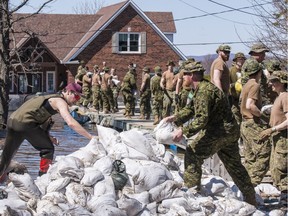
(146,180)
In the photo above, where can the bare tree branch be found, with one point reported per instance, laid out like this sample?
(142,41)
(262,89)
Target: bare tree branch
(88,7)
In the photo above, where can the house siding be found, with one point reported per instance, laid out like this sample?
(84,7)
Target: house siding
(158,51)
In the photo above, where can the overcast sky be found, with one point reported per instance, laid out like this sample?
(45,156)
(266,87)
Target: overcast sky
(202,25)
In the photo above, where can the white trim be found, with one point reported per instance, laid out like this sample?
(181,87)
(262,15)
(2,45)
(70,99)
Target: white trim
(54,81)
(128,43)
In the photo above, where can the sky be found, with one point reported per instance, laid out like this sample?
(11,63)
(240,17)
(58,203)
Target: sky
(201,25)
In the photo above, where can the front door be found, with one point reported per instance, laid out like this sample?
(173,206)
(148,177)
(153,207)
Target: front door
(30,83)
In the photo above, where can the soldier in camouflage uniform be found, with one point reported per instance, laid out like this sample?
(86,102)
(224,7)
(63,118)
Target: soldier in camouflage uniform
(106,92)
(145,95)
(86,88)
(115,88)
(128,87)
(81,71)
(96,89)
(157,95)
(258,52)
(271,66)
(278,133)
(235,76)
(256,151)
(218,132)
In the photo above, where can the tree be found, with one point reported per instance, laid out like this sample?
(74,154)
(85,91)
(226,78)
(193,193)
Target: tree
(90,7)
(273,28)
(7,31)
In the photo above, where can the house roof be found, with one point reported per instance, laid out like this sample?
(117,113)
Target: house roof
(66,35)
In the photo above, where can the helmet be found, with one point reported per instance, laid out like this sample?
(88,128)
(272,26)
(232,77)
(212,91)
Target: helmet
(146,69)
(251,66)
(223,47)
(239,55)
(157,69)
(95,67)
(282,76)
(272,65)
(258,48)
(194,67)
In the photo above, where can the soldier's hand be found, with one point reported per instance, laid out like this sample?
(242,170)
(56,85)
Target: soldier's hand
(169,119)
(265,134)
(265,117)
(54,140)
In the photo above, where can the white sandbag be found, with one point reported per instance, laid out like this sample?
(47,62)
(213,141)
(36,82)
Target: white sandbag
(213,186)
(74,210)
(142,197)
(118,151)
(75,194)
(267,189)
(149,176)
(106,210)
(177,177)
(105,199)
(180,201)
(171,160)
(164,133)
(134,154)
(87,157)
(55,197)
(58,184)
(132,165)
(13,200)
(104,165)
(138,141)
(131,206)
(105,186)
(108,137)
(226,206)
(25,186)
(46,207)
(91,176)
(166,190)
(71,167)
(42,182)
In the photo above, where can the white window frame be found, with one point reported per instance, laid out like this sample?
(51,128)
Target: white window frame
(54,82)
(129,42)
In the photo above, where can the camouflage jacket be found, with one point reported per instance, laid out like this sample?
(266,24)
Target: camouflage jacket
(155,87)
(129,82)
(209,110)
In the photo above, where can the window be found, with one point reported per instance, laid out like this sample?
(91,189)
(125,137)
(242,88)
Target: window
(12,81)
(50,81)
(123,42)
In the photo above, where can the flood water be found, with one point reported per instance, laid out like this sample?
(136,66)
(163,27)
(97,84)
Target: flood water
(69,141)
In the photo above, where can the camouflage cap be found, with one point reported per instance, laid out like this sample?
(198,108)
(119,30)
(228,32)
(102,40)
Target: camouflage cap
(223,47)
(170,63)
(272,65)
(95,67)
(258,48)
(82,62)
(157,69)
(251,66)
(146,69)
(282,76)
(194,67)
(106,69)
(239,55)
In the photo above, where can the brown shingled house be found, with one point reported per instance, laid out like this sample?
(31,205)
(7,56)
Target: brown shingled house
(117,34)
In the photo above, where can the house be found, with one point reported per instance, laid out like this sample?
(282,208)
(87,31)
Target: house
(52,45)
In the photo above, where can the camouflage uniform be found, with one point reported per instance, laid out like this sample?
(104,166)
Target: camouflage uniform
(106,92)
(218,133)
(127,88)
(145,95)
(257,48)
(235,76)
(157,95)
(81,71)
(86,89)
(256,151)
(278,161)
(96,91)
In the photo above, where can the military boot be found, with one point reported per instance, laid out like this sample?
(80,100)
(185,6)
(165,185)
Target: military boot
(156,120)
(148,116)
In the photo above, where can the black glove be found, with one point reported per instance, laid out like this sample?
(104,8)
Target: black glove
(176,98)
